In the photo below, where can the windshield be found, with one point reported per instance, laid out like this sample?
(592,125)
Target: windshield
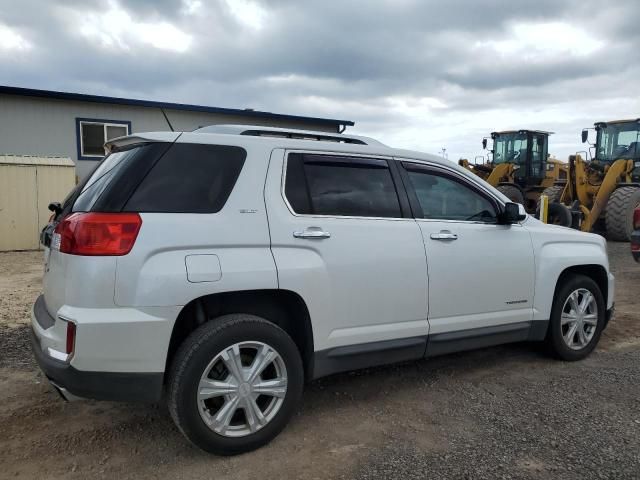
(617,141)
(510,148)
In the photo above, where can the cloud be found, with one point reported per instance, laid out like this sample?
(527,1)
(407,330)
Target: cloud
(114,28)
(247,13)
(417,74)
(11,40)
(543,40)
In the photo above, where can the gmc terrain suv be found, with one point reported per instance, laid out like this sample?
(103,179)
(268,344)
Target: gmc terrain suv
(222,268)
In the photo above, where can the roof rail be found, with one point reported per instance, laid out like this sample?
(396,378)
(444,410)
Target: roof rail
(261,131)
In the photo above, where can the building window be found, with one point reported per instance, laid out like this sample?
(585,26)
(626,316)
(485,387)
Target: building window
(93,134)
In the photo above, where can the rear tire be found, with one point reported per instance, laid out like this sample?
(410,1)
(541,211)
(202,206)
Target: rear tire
(619,213)
(576,345)
(211,376)
(513,193)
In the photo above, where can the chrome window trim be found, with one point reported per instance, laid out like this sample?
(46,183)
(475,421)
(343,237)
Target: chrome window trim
(435,165)
(470,222)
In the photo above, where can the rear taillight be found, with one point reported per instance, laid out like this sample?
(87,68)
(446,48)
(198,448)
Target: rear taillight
(71,338)
(96,233)
(636,218)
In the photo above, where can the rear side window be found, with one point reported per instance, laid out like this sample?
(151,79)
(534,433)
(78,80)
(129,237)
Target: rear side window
(189,178)
(341,186)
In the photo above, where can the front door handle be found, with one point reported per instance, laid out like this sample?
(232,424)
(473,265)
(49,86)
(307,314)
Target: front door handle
(444,235)
(312,233)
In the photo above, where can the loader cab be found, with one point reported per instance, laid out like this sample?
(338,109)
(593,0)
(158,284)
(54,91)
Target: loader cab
(526,149)
(616,140)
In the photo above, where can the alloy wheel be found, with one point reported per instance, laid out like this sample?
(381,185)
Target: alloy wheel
(242,389)
(579,319)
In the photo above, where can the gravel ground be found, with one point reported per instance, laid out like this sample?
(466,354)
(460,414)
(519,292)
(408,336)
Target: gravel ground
(504,412)
(579,421)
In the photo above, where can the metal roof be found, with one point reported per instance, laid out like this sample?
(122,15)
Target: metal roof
(81,97)
(614,122)
(522,130)
(36,160)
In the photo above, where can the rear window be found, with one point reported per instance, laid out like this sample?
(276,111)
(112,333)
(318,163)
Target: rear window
(189,178)
(163,177)
(113,181)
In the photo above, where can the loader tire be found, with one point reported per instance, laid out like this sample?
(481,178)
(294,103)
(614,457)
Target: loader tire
(554,193)
(619,213)
(513,193)
(558,213)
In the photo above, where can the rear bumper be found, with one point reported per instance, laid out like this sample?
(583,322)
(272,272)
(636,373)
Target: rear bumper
(71,382)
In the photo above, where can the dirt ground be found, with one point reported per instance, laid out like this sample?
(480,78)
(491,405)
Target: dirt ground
(504,412)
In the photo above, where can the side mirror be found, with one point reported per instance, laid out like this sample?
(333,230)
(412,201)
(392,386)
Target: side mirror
(585,135)
(55,207)
(513,213)
(484,143)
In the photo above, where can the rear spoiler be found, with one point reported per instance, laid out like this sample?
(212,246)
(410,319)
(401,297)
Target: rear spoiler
(125,141)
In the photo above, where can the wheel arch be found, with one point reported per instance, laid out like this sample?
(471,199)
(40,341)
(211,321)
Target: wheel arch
(559,252)
(594,271)
(284,308)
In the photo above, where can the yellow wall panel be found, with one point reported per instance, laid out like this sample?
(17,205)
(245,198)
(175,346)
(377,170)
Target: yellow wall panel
(25,193)
(18,208)
(54,183)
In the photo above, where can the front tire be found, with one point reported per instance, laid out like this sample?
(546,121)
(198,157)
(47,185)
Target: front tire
(234,384)
(577,318)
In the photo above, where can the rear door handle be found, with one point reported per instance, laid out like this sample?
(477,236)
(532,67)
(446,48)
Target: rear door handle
(312,233)
(444,235)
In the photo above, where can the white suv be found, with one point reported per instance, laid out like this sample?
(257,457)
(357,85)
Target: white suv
(223,268)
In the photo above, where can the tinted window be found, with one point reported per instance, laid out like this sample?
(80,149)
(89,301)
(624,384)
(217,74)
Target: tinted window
(100,179)
(330,185)
(295,188)
(441,197)
(109,186)
(189,178)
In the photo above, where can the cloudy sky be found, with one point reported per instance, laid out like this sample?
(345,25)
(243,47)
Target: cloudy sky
(415,74)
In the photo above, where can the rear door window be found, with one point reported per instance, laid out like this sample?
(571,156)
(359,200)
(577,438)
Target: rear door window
(341,186)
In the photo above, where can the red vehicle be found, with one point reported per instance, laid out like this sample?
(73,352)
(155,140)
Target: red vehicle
(635,236)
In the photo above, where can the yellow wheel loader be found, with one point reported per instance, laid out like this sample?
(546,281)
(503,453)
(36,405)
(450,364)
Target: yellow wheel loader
(519,166)
(604,192)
